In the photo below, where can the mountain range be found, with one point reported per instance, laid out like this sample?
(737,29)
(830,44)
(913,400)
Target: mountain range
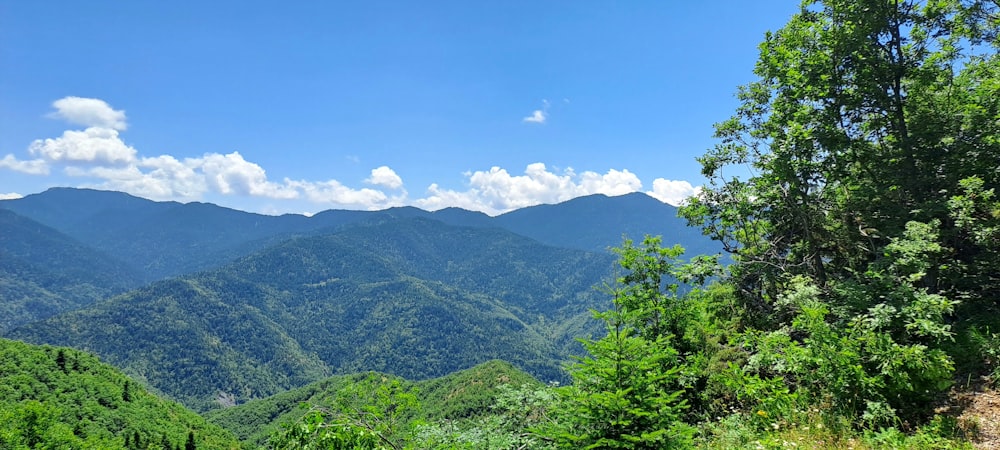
(214,306)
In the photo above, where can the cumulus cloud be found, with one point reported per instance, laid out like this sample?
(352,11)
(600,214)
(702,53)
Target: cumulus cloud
(384,176)
(93,145)
(674,192)
(30,167)
(165,177)
(333,192)
(497,191)
(89,112)
(99,156)
(231,174)
(10,196)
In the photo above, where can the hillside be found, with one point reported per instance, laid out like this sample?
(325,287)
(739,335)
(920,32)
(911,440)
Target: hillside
(460,395)
(63,398)
(44,272)
(415,298)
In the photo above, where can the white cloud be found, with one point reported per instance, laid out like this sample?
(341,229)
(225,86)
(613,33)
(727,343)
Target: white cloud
(496,191)
(100,157)
(332,192)
(384,176)
(613,183)
(95,144)
(538,116)
(159,178)
(30,167)
(167,178)
(10,196)
(674,192)
(229,174)
(89,112)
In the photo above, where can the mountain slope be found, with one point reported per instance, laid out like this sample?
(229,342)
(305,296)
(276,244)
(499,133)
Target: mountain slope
(63,398)
(415,298)
(43,272)
(188,339)
(596,222)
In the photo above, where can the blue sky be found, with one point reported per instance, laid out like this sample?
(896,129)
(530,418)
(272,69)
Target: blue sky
(281,107)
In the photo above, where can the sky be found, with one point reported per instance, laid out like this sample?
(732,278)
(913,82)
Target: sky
(302,106)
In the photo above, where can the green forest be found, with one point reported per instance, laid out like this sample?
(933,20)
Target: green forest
(853,191)
(854,188)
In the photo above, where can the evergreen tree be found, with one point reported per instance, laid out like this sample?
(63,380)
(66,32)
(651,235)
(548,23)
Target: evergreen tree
(190,444)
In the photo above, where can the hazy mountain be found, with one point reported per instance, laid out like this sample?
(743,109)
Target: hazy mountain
(163,239)
(44,272)
(597,222)
(415,298)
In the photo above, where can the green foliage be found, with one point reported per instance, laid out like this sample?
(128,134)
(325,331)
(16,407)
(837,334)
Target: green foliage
(865,232)
(413,298)
(62,398)
(627,393)
(368,414)
(471,393)
(491,402)
(515,411)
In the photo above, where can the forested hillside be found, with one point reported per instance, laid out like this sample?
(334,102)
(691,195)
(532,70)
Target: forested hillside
(43,272)
(468,395)
(864,227)
(415,298)
(854,191)
(53,397)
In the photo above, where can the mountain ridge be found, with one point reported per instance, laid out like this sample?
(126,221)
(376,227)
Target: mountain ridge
(165,239)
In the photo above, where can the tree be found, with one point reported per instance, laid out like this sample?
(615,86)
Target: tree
(865,111)
(627,393)
(190,443)
(866,118)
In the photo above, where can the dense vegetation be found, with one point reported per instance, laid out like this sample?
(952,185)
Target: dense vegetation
(865,232)
(52,397)
(414,298)
(463,396)
(859,211)
(43,272)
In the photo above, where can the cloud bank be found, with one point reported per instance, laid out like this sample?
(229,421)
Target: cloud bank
(102,159)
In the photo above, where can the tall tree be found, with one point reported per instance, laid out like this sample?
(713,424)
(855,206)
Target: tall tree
(854,153)
(864,113)
(627,393)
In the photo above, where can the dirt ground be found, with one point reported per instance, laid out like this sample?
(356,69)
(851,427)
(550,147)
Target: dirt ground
(977,407)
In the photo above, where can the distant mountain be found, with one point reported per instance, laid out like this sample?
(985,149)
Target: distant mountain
(44,272)
(416,298)
(597,222)
(63,398)
(164,239)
